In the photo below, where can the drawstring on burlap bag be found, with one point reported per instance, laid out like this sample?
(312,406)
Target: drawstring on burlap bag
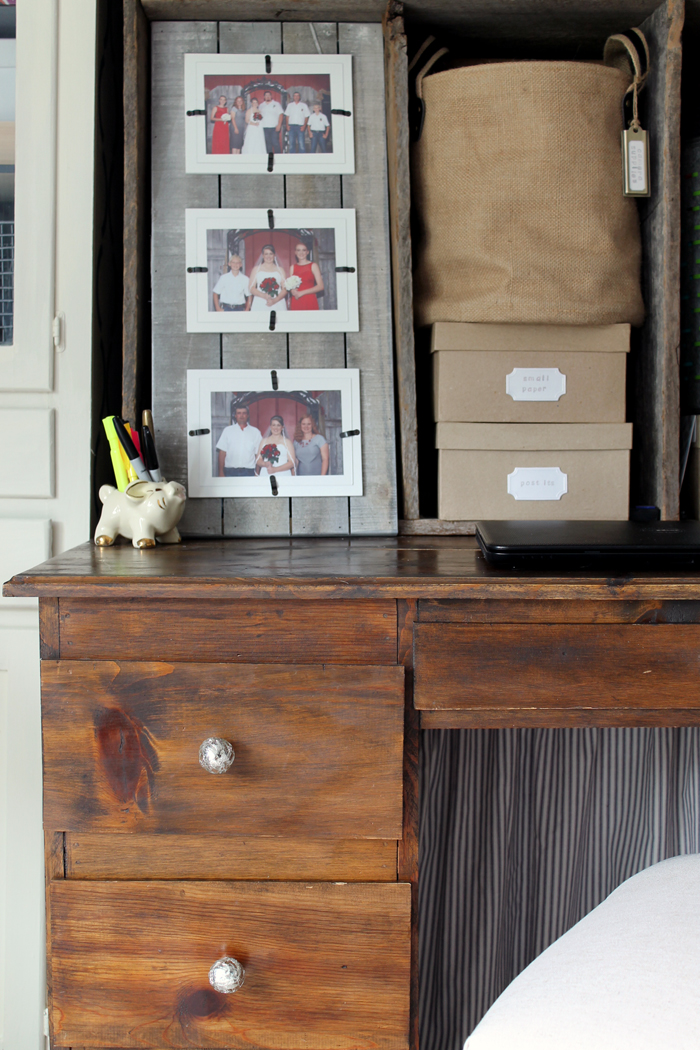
(621,53)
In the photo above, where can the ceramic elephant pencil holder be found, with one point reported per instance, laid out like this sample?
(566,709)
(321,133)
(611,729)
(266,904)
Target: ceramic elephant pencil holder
(146,512)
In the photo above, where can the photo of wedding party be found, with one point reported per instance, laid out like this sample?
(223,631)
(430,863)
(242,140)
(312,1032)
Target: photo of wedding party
(264,270)
(269,432)
(248,439)
(288,113)
(253,114)
(293,272)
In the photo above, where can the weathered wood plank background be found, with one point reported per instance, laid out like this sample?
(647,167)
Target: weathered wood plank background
(370,349)
(174,349)
(656,401)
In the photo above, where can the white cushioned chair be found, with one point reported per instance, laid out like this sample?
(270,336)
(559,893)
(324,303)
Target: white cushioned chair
(626,977)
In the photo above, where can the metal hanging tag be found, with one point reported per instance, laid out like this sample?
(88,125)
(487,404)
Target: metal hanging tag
(622,51)
(635,162)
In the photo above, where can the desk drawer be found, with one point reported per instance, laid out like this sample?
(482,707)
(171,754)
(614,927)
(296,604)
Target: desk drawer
(269,632)
(325,965)
(318,749)
(557,674)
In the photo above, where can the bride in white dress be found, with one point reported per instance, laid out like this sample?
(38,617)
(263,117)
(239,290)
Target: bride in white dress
(254,141)
(276,436)
(272,296)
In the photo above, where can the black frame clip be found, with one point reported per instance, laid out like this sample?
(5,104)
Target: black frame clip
(198,269)
(273,485)
(268,64)
(199,433)
(273,320)
(270,162)
(345,269)
(274,379)
(341,112)
(349,433)
(196,112)
(270,213)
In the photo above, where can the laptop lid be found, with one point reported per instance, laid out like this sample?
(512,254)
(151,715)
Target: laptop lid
(508,540)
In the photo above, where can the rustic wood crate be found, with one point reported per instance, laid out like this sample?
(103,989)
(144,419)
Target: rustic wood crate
(654,405)
(174,350)
(654,385)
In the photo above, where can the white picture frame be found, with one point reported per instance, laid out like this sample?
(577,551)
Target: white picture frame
(214,235)
(326,79)
(330,395)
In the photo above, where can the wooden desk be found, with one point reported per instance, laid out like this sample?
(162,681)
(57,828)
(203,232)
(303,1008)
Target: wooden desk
(316,659)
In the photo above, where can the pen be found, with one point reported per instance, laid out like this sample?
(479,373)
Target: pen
(147,421)
(128,469)
(149,449)
(115,451)
(134,435)
(135,461)
(131,474)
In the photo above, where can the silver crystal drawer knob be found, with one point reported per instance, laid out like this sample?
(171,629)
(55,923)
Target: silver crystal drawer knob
(226,975)
(216,755)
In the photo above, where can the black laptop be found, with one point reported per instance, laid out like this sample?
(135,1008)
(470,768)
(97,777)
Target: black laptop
(652,544)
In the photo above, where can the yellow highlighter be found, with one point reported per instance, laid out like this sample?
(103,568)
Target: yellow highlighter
(131,473)
(115,449)
(125,462)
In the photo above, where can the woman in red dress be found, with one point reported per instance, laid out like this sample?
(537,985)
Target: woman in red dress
(304,297)
(221,119)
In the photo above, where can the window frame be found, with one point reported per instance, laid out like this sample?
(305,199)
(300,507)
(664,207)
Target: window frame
(27,363)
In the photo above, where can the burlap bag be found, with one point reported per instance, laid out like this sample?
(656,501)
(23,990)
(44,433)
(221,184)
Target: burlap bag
(518,195)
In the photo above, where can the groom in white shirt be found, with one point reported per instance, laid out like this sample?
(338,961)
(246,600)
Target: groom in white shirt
(238,447)
(273,116)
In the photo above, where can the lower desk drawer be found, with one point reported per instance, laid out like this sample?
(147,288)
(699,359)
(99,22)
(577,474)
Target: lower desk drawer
(87,855)
(557,674)
(325,965)
(318,749)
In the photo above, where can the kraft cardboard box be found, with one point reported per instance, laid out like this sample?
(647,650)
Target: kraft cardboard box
(497,373)
(533,472)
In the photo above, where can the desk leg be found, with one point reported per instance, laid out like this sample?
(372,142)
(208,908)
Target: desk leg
(54,868)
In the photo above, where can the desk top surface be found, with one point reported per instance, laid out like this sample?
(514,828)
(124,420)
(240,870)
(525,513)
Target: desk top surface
(404,567)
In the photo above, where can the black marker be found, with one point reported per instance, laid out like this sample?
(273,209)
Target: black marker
(131,454)
(149,451)
(147,421)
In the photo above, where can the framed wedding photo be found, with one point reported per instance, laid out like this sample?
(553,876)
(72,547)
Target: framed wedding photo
(248,439)
(260,270)
(291,114)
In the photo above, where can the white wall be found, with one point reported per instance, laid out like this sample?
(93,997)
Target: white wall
(21,840)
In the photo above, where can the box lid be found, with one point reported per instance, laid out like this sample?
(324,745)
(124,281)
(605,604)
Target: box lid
(608,338)
(533,437)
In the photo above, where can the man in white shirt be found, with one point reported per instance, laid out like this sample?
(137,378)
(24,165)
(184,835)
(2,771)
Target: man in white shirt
(273,116)
(319,127)
(297,114)
(231,290)
(238,448)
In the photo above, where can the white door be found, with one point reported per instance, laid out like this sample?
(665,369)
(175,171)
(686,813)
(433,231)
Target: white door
(45,456)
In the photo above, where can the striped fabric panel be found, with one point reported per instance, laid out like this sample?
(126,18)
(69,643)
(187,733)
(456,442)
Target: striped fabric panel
(523,832)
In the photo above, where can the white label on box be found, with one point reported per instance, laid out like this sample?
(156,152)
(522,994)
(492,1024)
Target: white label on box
(537,483)
(637,166)
(536,384)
